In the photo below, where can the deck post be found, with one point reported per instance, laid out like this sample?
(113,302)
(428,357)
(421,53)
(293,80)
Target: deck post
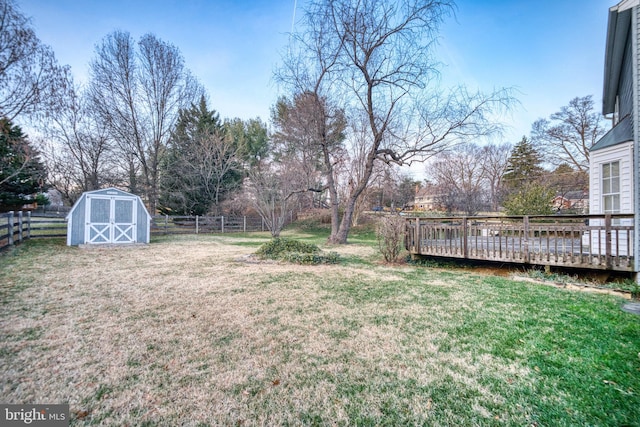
(465,246)
(525,249)
(416,236)
(607,241)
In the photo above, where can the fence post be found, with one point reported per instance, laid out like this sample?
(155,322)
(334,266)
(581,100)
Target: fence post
(244,224)
(607,241)
(20,226)
(28,224)
(197,225)
(222,224)
(525,221)
(10,227)
(166,224)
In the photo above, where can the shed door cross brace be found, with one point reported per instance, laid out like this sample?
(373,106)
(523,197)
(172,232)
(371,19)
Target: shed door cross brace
(110,219)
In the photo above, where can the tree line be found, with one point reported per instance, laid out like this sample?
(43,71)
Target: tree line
(522,178)
(361,99)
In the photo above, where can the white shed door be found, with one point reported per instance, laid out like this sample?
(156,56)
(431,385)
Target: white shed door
(110,220)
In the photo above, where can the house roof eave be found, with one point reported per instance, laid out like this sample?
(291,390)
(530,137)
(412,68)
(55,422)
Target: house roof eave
(620,133)
(617,31)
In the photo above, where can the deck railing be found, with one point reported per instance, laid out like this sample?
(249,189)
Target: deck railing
(580,241)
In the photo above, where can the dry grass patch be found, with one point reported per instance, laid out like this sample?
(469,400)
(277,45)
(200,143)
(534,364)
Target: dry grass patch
(184,332)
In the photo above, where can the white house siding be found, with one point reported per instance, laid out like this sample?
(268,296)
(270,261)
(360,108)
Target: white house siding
(622,153)
(635,94)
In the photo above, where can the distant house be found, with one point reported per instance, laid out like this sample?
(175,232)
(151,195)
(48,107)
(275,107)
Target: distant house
(427,199)
(614,182)
(572,201)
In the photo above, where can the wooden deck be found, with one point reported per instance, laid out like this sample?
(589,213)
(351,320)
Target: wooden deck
(602,242)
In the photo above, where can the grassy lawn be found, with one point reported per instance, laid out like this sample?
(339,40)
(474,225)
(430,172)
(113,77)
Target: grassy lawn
(190,330)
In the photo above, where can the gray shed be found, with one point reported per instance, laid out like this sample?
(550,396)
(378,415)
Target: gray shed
(108,216)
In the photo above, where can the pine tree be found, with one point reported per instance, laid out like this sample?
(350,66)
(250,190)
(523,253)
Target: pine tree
(22,174)
(524,165)
(200,165)
(522,177)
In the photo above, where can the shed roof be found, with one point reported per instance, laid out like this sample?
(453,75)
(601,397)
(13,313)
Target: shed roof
(111,191)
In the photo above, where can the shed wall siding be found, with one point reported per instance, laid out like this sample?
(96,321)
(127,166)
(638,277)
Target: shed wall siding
(76,232)
(142,227)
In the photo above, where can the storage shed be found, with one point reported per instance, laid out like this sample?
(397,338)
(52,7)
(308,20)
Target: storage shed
(108,216)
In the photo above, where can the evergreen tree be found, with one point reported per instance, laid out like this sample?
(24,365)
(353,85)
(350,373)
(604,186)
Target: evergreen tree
(251,137)
(22,174)
(201,164)
(527,195)
(524,165)
(530,199)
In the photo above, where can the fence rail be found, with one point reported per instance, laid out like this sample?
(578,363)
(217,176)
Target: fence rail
(164,224)
(16,227)
(603,242)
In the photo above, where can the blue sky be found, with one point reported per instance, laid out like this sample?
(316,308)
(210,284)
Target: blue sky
(550,51)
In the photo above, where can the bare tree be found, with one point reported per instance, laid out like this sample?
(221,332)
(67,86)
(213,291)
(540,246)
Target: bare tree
(138,93)
(377,58)
(29,72)
(273,188)
(310,134)
(203,162)
(495,159)
(460,178)
(207,168)
(568,135)
(78,150)
(355,168)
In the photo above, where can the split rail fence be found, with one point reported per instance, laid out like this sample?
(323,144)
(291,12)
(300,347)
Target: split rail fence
(16,227)
(603,242)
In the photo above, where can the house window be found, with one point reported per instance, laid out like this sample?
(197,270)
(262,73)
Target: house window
(611,187)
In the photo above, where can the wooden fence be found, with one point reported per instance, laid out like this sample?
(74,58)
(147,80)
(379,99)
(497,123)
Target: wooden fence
(165,224)
(16,227)
(602,242)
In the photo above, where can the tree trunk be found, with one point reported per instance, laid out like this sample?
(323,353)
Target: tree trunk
(340,237)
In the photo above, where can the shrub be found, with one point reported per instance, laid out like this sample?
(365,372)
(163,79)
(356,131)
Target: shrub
(390,237)
(311,259)
(275,248)
(295,251)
